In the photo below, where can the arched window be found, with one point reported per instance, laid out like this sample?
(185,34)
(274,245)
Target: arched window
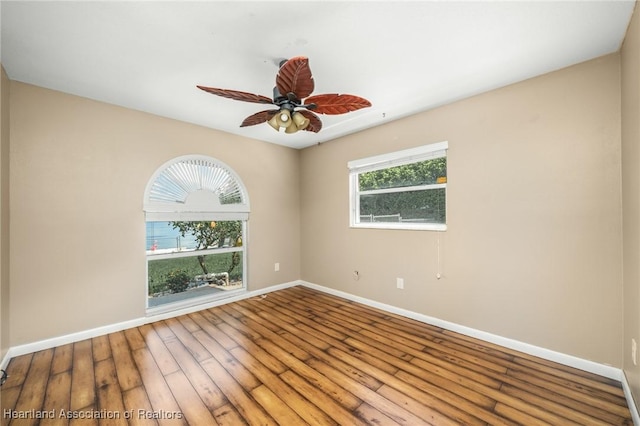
(196,212)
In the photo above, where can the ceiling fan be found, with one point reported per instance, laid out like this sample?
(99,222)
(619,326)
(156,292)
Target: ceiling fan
(291,94)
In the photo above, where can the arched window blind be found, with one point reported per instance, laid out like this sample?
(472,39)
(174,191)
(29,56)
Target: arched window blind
(195,188)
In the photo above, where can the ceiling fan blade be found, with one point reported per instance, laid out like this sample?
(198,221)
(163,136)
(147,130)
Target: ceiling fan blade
(334,103)
(259,117)
(237,95)
(295,77)
(315,125)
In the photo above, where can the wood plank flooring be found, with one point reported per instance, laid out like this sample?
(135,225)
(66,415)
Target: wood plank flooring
(295,357)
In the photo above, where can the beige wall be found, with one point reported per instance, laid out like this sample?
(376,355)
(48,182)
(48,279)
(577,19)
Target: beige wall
(533,251)
(4,213)
(631,197)
(533,246)
(78,174)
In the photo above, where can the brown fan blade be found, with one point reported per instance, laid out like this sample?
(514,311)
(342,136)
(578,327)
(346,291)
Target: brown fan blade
(295,77)
(315,125)
(237,95)
(334,103)
(259,117)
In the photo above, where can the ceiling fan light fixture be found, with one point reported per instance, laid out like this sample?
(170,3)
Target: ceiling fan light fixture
(283,118)
(273,122)
(292,128)
(300,121)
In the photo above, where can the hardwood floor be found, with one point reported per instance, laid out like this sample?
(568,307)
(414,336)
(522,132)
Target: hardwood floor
(295,357)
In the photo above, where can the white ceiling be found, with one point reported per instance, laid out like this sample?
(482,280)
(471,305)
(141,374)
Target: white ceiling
(404,57)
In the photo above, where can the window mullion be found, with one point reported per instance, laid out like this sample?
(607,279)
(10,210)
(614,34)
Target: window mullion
(191,253)
(403,189)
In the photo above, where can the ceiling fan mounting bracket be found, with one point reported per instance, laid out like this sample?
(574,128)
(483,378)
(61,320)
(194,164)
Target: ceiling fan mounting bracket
(290,101)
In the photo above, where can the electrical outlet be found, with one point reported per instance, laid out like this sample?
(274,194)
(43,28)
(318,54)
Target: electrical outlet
(276,267)
(634,351)
(400,283)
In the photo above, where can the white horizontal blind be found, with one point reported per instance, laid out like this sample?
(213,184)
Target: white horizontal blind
(399,158)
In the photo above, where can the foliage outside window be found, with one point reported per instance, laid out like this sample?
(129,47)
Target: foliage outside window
(185,255)
(212,235)
(400,190)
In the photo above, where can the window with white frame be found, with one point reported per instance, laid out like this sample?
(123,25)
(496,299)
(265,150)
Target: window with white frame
(196,212)
(401,190)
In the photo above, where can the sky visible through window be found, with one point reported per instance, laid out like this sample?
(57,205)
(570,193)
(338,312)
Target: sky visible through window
(163,236)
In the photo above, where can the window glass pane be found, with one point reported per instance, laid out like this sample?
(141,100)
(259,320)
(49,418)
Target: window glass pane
(426,206)
(199,273)
(168,237)
(163,238)
(172,280)
(422,173)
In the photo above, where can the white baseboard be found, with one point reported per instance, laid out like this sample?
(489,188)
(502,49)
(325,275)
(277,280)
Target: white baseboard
(5,360)
(569,360)
(635,416)
(600,369)
(112,328)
